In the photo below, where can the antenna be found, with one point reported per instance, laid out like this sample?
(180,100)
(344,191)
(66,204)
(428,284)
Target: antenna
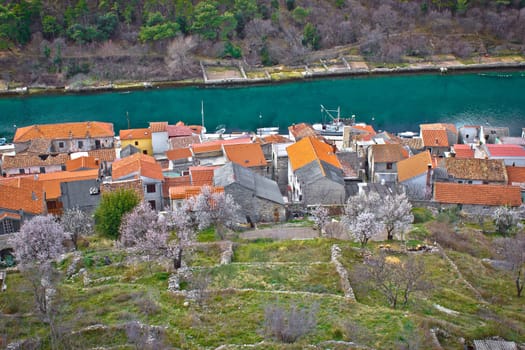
(127,118)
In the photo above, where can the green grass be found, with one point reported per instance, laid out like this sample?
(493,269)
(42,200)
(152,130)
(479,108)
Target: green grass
(135,289)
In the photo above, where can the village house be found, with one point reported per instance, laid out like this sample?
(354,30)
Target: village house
(248,155)
(492,134)
(471,171)
(212,153)
(159,138)
(179,159)
(512,155)
(516,176)
(143,169)
(29,163)
(138,138)
(67,137)
(469,196)
(179,194)
(438,137)
(353,166)
(315,175)
(259,197)
(357,135)
(181,136)
(463,151)
(382,162)
(201,175)
(415,174)
(469,134)
(280,165)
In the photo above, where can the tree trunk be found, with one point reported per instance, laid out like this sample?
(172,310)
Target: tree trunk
(519,284)
(177,259)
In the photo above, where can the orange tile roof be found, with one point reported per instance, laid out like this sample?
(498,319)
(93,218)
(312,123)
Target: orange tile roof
(413,166)
(23,160)
(202,175)
(439,126)
(453,193)
(158,126)
(23,193)
(135,134)
(64,131)
(463,151)
(435,138)
(179,153)
(388,153)
(10,215)
(51,181)
(104,154)
(301,130)
(82,163)
(310,149)
(138,164)
(214,146)
(275,139)
(246,155)
(174,181)
(186,192)
(516,174)
(367,128)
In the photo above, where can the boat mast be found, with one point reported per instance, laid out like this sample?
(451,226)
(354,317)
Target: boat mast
(202,113)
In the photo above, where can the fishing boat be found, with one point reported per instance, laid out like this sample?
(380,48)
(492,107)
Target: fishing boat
(336,123)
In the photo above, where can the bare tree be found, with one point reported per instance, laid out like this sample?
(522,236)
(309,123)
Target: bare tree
(288,325)
(179,58)
(513,251)
(396,214)
(395,279)
(77,223)
(215,209)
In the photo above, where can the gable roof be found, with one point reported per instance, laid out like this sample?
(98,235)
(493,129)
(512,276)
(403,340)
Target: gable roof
(64,131)
(413,166)
(435,138)
(516,174)
(301,130)
(135,134)
(82,163)
(51,181)
(310,149)
(475,169)
(494,195)
(215,146)
(246,155)
(463,151)
(179,153)
(262,187)
(158,126)
(505,150)
(439,126)
(275,139)
(22,193)
(137,165)
(24,160)
(103,154)
(179,130)
(187,192)
(388,153)
(183,141)
(201,175)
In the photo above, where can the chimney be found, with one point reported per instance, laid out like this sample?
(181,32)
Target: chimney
(428,182)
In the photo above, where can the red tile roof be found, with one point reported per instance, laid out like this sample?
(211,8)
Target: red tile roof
(64,131)
(104,154)
(135,134)
(301,130)
(139,165)
(51,181)
(158,126)
(246,155)
(275,139)
(413,166)
(186,192)
(202,175)
(463,151)
(452,193)
(22,193)
(174,181)
(435,138)
(179,130)
(82,163)
(180,153)
(505,151)
(516,174)
(310,149)
(215,146)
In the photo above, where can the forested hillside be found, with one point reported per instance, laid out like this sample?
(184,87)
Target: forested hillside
(51,41)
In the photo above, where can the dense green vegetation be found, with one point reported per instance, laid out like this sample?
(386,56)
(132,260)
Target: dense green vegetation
(102,305)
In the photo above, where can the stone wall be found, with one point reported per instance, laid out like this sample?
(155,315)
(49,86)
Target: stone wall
(258,209)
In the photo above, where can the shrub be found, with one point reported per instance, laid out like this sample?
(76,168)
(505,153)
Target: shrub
(421,215)
(288,325)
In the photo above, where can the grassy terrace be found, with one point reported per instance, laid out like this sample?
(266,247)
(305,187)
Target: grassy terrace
(265,272)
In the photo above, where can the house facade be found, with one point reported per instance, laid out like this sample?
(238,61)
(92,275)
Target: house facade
(159,137)
(415,174)
(438,137)
(138,138)
(382,161)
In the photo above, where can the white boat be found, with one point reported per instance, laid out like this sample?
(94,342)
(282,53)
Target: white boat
(271,130)
(336,125)
(407,134)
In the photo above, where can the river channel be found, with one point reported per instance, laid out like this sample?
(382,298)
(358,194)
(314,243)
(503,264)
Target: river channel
(393,103)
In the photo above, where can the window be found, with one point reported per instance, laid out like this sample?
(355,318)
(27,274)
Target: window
(145,152)
(80,144)
(389,166)
(153,205)
(22,171)
(150,188)
(470,182)
(42,170)
(63,168)
(7,226)
(61,144)
(136,143)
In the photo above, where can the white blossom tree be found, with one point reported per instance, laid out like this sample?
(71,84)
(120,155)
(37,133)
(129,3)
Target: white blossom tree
(180,220)
(214,209)
(505,219)
(39,242)
(396,215)
(136,224)
(362,217)
(77,224)
(320,217)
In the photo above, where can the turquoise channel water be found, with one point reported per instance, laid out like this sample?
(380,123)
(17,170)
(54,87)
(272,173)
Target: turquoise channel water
(393,103)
